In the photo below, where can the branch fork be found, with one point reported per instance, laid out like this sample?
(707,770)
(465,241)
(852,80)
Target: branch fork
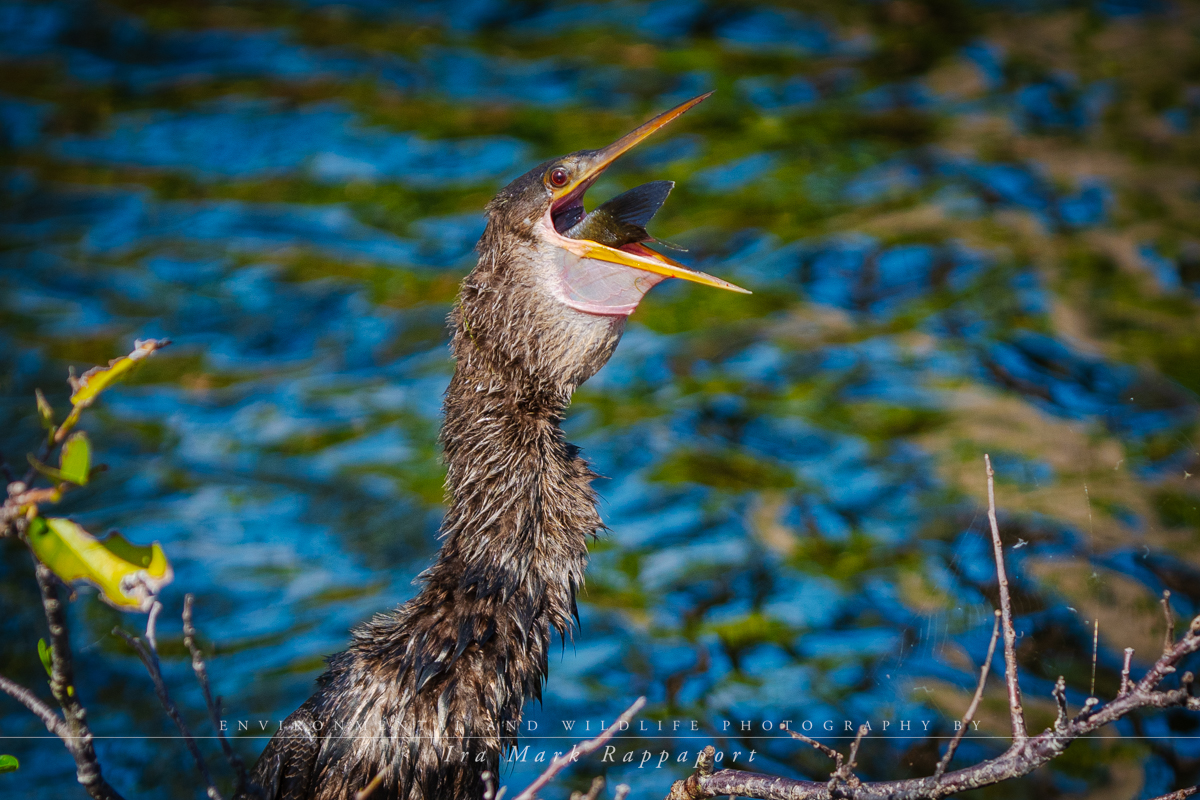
(1026,752)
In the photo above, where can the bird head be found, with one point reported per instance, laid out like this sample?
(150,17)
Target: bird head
(558,304)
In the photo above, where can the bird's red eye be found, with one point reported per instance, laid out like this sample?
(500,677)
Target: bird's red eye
(559,177)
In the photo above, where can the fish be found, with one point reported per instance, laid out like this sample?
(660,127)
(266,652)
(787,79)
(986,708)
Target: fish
(623,219)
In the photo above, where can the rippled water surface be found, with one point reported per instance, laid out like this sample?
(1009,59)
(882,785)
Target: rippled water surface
(969,228)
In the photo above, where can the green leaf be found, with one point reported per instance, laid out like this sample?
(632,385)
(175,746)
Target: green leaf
(9,764)
(128,576)
(45,411)
(76,459)
(44,655)
(97,379)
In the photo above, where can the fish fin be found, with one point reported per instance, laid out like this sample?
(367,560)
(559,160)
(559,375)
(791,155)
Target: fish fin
(639,204)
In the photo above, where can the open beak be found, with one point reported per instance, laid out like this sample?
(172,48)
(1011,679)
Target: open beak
(638,256)
(635,256)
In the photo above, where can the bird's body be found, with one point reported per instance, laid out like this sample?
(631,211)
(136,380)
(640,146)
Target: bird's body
(426,697)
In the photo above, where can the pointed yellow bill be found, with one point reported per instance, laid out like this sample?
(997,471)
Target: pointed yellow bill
(604,157)
(640,257)
(635,256)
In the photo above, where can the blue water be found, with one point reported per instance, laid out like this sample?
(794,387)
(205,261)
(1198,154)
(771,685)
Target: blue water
(793,481)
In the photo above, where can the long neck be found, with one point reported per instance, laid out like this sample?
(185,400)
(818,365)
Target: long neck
(515,546)
(520,499)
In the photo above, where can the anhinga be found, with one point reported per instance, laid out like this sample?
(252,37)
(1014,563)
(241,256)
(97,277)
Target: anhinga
(430,694)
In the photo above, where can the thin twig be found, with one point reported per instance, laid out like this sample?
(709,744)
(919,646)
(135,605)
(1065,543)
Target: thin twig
(54,723)
(1060,699)
(970,715)
(1169,636)
(214,705)
(1017,761)
(1125,672)
(1010,636)
(1022,758)
(62,686)
(847,772)
(578,751)
(1182,794)
(1089,706)
(149,657)
(829,751)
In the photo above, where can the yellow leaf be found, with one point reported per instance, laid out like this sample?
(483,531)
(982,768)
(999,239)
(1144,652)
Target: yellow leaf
(128,576)
(75,463)
(97,379)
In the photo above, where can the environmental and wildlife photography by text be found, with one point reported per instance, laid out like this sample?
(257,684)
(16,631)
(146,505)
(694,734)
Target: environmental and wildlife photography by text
(599,399)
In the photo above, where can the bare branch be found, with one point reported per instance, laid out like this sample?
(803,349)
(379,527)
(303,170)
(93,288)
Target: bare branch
(1025,754)
(214,705)
(1179,795)
(970,715)
(1060,699)
(621,791)
(578,751)
(829,751)
(1169,635)
(846,771)
(54,723)
(147,651)
(62,686)
(1020,759)
(1125,672)
(1010,636)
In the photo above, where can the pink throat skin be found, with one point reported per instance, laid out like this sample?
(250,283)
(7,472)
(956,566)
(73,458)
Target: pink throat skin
(594,286)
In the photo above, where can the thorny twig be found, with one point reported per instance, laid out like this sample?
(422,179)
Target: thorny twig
(1025,754)
(147,651)
(213,704)
(578,751)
